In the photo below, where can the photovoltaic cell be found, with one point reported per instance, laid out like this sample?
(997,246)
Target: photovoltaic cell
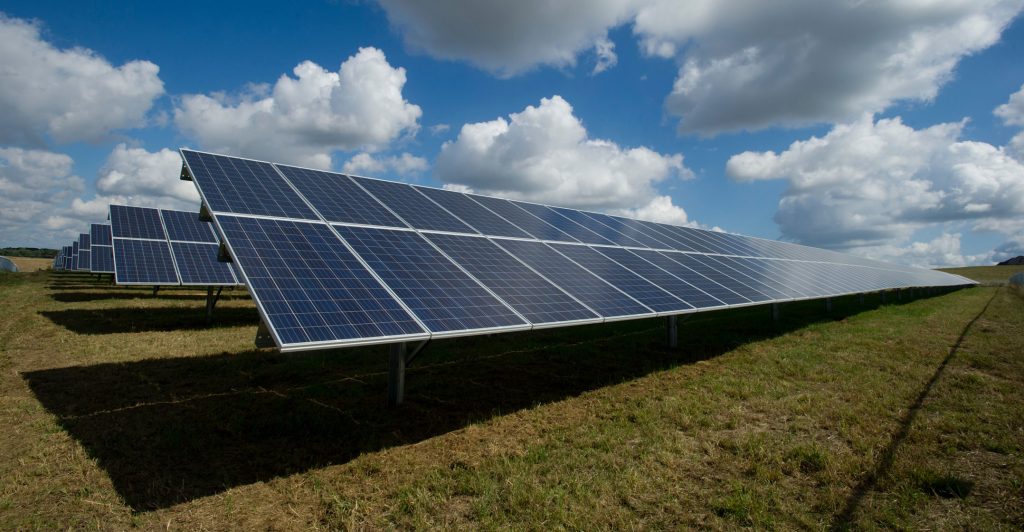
(310,286)
(136,222)
(682,289)
(84,260)
(198,265)
(698,264)
(100,235)
(441,295)
(143,262)
(84,241)
(471,212)
(600,296)
(531,224)
(595,226)
(102,259)
(187,227)
(338,198)
(709,286)
(633,230)
(552,217)
(629,282)
(242,186)
(528,293)
(413,207)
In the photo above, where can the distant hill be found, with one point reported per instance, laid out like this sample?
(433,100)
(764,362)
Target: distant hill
(29,252)
(1016,261)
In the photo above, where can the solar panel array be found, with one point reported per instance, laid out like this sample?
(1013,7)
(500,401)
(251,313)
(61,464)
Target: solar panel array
(336,260)
(102,248)
(165,247)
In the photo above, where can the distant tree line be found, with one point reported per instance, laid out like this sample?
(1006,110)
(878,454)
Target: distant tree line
(44,253)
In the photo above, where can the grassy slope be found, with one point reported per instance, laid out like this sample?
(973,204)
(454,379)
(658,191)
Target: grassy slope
(986,274)
(29,264)
(119,417)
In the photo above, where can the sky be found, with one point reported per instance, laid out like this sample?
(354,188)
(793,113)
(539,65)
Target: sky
(889,129)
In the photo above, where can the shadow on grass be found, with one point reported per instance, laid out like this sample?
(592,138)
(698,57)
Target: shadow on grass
(173,430)
(130,320)
(78,297)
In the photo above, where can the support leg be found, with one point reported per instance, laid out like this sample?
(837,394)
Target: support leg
(396,374)
(899,295)
(828,304)
(155,290)
(775,312)
(883,297)
(860,299)
(672,324)
(211,302)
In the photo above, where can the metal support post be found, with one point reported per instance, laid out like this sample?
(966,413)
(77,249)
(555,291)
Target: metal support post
(672,323)
(155,290)
(396,374)
(828,304)
(899,295)
(860,298)
(211,302)
(883,297)
(775,312)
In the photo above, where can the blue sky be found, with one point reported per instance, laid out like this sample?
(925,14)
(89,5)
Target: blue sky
(903,155)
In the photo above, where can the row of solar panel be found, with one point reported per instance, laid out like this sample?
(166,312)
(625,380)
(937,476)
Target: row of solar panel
(144,246)
(242,186)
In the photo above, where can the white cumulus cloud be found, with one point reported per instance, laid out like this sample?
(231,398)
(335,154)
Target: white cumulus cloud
(67,95)
(544,154)
(303,119)
(403,165)
(875,183)
(942,251)
(507,38)
(1012,112)
(35,185)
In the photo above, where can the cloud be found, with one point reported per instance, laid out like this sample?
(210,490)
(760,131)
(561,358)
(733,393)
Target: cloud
(604,49)
(507,38)
(871,183)
(404,165)
(748,64)
(1012,112)
(942,251)
(67,95)
(660,209)
(744,64)
(34,186)
(544,154)
(303,119)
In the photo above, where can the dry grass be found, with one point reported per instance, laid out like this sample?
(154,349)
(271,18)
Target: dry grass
(29,264)
(122,409)
(990,275)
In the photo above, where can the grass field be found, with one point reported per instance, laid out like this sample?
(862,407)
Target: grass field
(121,409)
(987,274)
(29,264)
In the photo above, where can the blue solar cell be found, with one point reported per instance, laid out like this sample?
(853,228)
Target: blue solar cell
(600,296)
(753,278)
(528,293)
(136,222)
(187,227)
(413,207)
(441,295)
(549,215)
(198,265)
(74,247)
(701,265)
(471,212)
(102,259)
(706,285)
(595,226)
(338,199)
(629,282)
(100,235)
(84,241)
(143,262)
(682,289)
(310,287)
(762,275)
(634,230)
(233,185)
(84,260)
(536,227)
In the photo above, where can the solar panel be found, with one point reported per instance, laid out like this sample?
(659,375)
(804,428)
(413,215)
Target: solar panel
(592,291)
(536,227)
(84,242)
(338,199)
(242,186)
(145,262)
(136,222)
(198,265)
(472,213)
(310,288)
(102,259)
(187,227)
(329,261)
(567,226)
(680,288)
(84,262)
(440,294)
(541,302)
(640,289)
(413,207)
(100,235)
